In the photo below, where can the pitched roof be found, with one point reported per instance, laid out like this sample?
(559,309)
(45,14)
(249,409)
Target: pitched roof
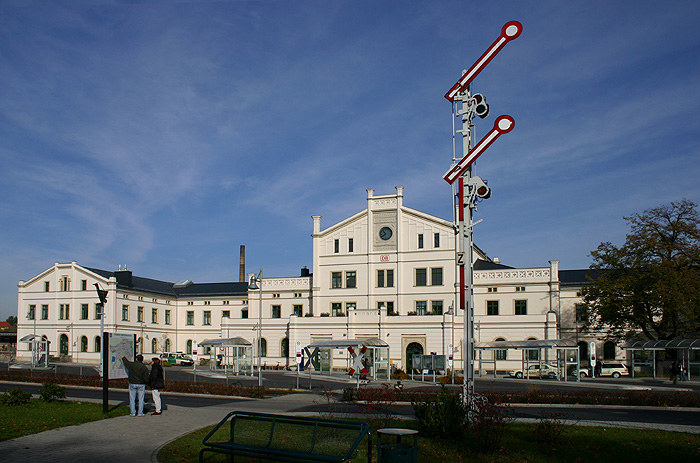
(481,264)
(167,288)
(578,277)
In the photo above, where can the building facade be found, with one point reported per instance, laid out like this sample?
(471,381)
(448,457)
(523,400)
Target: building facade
(387,272)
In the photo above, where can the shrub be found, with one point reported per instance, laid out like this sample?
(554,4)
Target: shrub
(377,401)
(488,423)
(399,374)
(348,394)
(51,392)
(15,396)
(550,428)
(443,415)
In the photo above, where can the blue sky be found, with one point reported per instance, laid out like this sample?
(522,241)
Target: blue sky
(162,135)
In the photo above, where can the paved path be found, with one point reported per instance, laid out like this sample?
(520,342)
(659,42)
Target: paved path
(132,439)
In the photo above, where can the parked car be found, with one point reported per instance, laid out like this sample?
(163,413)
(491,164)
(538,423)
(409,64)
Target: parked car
(177,358)
(614,369)
(534,371)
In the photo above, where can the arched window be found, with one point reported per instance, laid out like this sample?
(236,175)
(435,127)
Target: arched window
(154,346)
(98,344)
(284,347)
(83,344)
(63,344)
(167,345)
(263,347)
(501,354)
(609,350)
(533,354)
(188,349)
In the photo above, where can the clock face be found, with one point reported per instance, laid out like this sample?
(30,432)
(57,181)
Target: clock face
(385,233)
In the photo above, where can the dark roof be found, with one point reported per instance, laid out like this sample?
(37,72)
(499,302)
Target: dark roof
(481,264)
(166,288)
(577,277)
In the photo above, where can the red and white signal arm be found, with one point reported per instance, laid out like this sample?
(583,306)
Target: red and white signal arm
(510,31)
(357,361)
(503,124)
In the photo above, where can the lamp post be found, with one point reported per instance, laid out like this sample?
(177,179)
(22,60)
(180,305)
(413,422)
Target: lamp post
(102,295)
(31,315)
(256,283)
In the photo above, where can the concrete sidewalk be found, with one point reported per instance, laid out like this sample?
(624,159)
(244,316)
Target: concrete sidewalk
(133,439)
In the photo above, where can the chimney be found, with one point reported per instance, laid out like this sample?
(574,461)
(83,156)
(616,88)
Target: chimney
(123,277)
(241,268)
(305,271)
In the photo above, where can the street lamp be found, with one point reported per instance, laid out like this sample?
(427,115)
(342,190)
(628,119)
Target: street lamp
(102,295)
(256,283)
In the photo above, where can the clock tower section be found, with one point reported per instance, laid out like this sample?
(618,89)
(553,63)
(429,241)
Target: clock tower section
(383,216)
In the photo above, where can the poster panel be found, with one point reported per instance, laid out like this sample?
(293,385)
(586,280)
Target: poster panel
(119,344)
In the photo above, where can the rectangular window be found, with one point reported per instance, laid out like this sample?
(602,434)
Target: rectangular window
(350,306)
(47,286)
(244,313)
(436,276)
(98,310)
(421,277)
(190,317)
(390,307)
(336,246)
(154,315)
(336,279)
(276,311)
(421,307)
(31,315)
(520,289)
(420,241)
(84,311)
(501,354)
(64,312)
(491,307)
(436,240)
(206,319)
(492,290)
(44,311)
(167,317)
(389,278)
(437,307)
(350,280)
(298,309)
(380,279)
(125,313)
(337,309)
(581,313)
(83,285)
(139,314)
(225,314)
(64,283)
(351,245)
(521,307)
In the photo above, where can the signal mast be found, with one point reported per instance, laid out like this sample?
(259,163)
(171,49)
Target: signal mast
(467,189)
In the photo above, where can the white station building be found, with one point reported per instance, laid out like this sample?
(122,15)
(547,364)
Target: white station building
(387,272)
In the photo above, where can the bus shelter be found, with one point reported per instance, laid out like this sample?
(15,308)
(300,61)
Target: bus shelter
(40,349)
(230,354)
(558,353)
(374,354)
(646,355)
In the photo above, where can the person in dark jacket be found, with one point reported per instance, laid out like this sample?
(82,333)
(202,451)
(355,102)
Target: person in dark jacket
(156,382)
(138,378)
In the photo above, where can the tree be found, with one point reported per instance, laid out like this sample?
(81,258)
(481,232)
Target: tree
(12,320)
(651,284)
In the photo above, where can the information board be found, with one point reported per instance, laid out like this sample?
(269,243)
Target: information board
(119,345)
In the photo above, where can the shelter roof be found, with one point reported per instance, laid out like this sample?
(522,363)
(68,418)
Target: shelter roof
(345,343)
(526,344)
(225,342)
(662,345)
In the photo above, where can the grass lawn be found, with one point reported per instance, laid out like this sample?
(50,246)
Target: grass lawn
(578,444)
(38,416)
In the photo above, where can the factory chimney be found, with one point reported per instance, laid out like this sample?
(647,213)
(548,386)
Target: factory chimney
(241,271)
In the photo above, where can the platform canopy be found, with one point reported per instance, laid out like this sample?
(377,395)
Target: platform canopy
(526,344)
(345,343)
(663,345)
(31,337)
(225,342)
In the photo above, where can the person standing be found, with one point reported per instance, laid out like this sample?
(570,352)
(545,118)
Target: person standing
(138,377)
(156,382)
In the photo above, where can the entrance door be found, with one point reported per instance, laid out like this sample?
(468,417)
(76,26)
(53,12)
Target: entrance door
(63,344)
(411,350)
